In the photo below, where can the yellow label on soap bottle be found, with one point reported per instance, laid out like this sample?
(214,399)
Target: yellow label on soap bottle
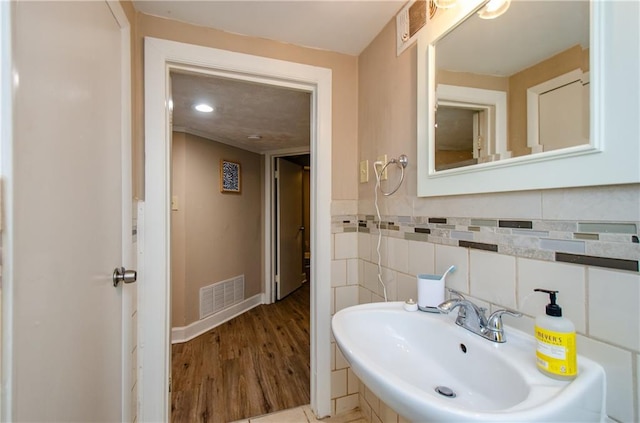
(556,352)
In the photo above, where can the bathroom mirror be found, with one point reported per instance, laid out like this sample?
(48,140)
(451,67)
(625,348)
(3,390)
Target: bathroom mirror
(517,102)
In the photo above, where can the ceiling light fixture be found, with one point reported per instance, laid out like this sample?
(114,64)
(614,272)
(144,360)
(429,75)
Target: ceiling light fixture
(445,4)
(494,8)
(204,108)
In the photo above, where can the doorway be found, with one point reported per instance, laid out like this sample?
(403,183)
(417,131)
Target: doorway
(292,259)
(216,236)
(161,55)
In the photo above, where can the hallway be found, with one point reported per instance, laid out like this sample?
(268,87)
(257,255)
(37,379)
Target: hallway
(254,364)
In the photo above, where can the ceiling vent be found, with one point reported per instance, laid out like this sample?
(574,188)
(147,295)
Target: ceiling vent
(410,20)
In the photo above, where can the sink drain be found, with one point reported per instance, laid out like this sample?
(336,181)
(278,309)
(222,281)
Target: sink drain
(444,391)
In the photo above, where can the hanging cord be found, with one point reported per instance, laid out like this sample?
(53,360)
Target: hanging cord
(402,162)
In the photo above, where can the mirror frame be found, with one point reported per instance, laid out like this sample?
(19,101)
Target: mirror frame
(612,157)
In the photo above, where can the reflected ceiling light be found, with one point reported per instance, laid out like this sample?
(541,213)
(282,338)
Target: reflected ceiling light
(204,108)
(494,8)
(445,4)
(254,137)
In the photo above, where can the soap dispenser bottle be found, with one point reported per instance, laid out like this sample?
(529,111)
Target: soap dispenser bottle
(556,336)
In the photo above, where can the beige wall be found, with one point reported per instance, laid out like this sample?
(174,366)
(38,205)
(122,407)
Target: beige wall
(215,236)
(466,79)
(386,105)
(566,61)
(344,89)
(516,88)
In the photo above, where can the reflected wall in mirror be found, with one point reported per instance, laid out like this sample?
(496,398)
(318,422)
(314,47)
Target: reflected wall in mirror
(599,147)
(537,55)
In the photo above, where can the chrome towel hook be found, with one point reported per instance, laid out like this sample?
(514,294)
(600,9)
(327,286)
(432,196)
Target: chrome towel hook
(401,162)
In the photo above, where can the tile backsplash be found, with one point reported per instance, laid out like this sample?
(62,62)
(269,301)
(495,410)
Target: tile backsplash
(593,265)
(614,245)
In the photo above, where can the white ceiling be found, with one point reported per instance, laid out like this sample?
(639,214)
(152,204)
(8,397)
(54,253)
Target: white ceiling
(336,25)
(529,32)
(279,116)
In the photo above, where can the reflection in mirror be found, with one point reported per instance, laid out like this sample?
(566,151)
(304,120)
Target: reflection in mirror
(536,57)
(455,141)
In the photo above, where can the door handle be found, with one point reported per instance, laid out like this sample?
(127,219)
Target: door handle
(120,274)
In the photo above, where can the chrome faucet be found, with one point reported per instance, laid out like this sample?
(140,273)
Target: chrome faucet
(473,318)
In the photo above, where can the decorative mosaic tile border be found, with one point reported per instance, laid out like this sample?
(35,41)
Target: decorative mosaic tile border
(614,245)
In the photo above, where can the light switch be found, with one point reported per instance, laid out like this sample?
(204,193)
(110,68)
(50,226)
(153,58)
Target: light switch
(174,203)
(364,171)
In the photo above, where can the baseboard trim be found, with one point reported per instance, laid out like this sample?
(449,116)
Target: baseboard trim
(187,333)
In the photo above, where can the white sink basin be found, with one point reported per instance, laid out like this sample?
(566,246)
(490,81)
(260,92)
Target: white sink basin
(404,356)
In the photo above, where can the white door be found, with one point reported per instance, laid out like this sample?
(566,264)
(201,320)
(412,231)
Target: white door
(64,208)
(561,114)
(290,230)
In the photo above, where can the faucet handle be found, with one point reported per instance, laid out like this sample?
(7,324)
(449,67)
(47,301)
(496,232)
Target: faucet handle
(495,320)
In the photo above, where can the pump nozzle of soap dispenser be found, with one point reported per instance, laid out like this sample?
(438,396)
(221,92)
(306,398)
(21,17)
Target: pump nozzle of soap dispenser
(552,308)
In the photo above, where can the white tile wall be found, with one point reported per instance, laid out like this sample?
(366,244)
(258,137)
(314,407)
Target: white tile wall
(346,296)
(568,279)
(344,207)
(387,415)
(372,400)
(613,307)
(637,389)
(493,277)
(370,280)
(364,295)
(445,256)
(347,403)
(338,272)
(609,335)
(374,410)
(339,383)
(406,287)
(353,383)
(602,303)
(521,205)
(398,250)
(364,246)
(345,245)
(617,364)
(333,355)
(347,273)
(353,271)
(421,257)
(384,255)
(592,203)
(340,361)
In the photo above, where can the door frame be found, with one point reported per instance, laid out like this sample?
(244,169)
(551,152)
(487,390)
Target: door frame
(154,289)
(129,373)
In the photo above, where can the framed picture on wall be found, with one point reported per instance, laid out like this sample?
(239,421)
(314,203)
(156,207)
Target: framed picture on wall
(230,177)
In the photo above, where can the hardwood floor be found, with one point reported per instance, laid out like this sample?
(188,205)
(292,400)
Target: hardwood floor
(255,364)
